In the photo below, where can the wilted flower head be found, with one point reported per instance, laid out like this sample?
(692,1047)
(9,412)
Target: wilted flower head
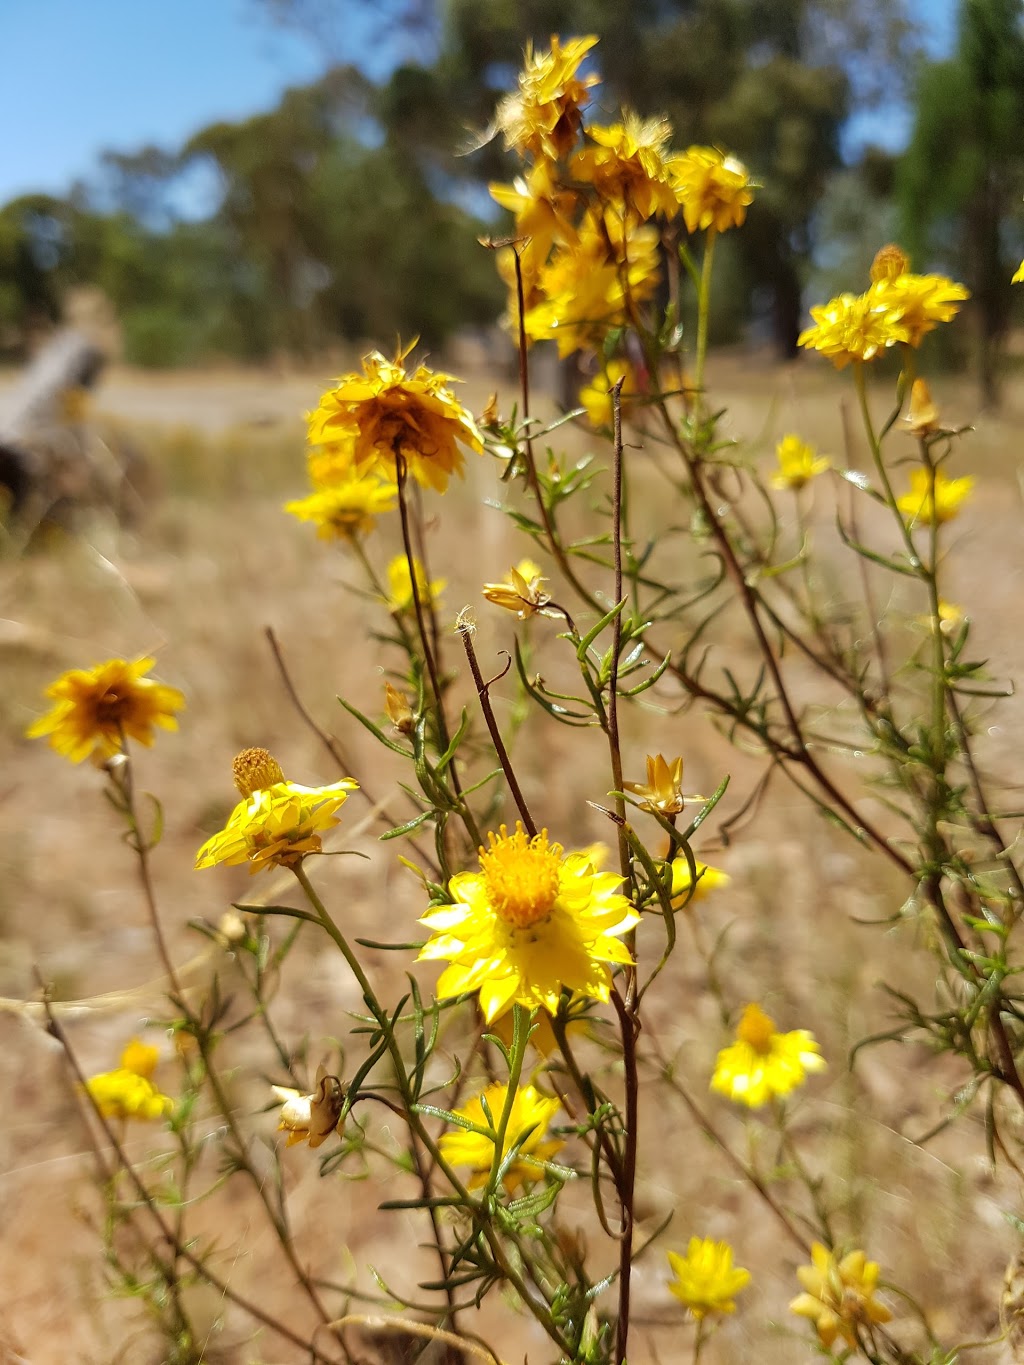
(530,1111)
(923,417)
(925,506)
(543,116)
(627,165)
(96,709)
(853,327)
(127,1092)
(762,1063)
(531,922)
(705,1278)
(798,463)
(890,261)
(387,412)
(398,710)
(311,1118)
(714,189)
(663,789)
(400,580)
(346,509)
(839,1294)
(274,825)
(522,592)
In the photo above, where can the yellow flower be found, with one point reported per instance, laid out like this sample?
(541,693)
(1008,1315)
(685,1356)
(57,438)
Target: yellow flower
(582,292)
(798,463)
(627,167)
(528,924)
(839,1295)
(387,412)
(400,596)
(714,189)
(705,1278)
(853,327)
(275,824)
(663,789)
(97,708)
(544,115)
(708,879)
(345,510)
(522,592)
(921,508)
(762,1063)
(530,1110)
(127,1092)
(923,417)
(310,1118)
(596,397)
(920,302)
(543,210)
(1018,275)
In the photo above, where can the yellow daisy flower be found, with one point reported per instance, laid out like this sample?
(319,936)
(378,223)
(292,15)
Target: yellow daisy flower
(596,396)
(705,1278)
(528,924)
(543,210)
(400,596)
(347,509)
(839,1295)
(310,1118)
(522,592)
(127,1092)
(544,115)
(708,879)
(921,508)
(762,1063)
(920,302)
(530,1110)
(277,823)
(853,327)
(627,166)
(663,789)
(714,189)
(97,708)
(798,463)
(388,412)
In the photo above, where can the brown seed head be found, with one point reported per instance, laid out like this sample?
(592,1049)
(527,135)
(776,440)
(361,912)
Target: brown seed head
(890,262)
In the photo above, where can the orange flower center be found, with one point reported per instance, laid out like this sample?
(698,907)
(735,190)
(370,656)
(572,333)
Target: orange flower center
(111,708)
(522,876)
(756,1029)
(254,770)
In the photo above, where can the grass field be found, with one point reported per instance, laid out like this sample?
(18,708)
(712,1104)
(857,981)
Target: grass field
(210,565)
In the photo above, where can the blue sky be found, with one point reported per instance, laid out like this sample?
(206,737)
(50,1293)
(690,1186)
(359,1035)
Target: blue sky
(84,75)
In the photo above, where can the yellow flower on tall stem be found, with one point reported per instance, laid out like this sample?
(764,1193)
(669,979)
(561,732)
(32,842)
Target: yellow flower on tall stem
(127,1092)
(714,189)
(347,509)
(925,506)
(530,1115)
(277,823)
(763,1064)
(799,463)
(543,116)
(839,1295)
(529,924)
(705,1278)
(400,579)
(98,708)
(627,165)
(853,327)
(387,412)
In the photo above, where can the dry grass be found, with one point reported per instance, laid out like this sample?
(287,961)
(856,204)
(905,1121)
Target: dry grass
(212,565)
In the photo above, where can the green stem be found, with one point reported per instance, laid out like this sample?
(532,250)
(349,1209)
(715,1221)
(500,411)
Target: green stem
(703,311)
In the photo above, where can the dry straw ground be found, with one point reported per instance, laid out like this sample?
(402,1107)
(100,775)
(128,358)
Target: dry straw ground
(212,563)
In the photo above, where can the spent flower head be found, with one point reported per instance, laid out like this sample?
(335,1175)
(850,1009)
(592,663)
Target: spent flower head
(542,117)
(96,709)
(714,189)
(762,1063)
(528,1122)
(663,790)
(387,412)
(925,505)
(839,1295)
(310,1118)
(799,463)
(532,922)
(522,592)
(705,1278)
(277,823)
(923,416)
(398,710)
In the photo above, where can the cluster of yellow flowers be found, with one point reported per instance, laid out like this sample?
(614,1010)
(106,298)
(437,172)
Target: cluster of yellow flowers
(128,1091)
(588,252)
